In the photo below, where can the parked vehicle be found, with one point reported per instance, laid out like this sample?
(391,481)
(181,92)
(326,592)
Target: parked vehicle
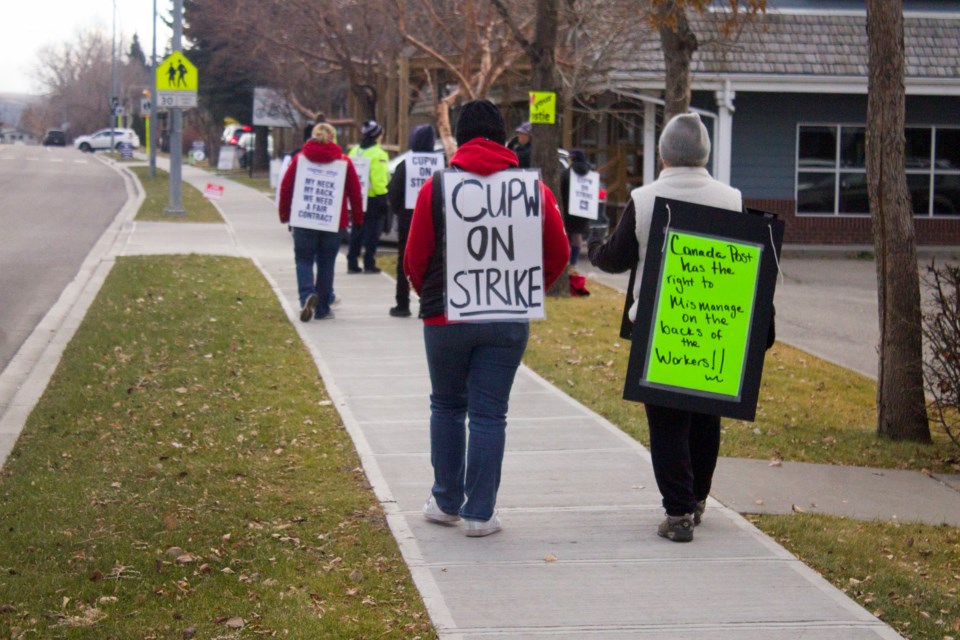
(232,132)
(246,144)
(54,138)
(100,140)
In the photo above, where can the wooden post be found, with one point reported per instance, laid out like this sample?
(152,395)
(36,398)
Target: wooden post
(390,109)
(403,101)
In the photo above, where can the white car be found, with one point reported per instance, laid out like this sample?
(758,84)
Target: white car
(101,139)
(246,143)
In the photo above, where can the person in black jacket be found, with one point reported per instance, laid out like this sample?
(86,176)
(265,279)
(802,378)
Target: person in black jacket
(522,146)
(577,227)
(421,141)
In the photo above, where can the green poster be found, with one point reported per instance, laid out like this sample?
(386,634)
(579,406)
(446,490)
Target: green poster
(700,330)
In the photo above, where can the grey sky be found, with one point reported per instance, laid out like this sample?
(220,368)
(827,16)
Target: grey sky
(29,25)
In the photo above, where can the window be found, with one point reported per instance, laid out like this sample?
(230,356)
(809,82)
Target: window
(832,174)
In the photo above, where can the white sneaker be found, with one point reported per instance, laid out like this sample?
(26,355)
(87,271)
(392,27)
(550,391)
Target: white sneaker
(433,513)
(480,528)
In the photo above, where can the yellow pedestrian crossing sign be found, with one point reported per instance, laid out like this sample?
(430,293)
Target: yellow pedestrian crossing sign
(176,73)
(176,83)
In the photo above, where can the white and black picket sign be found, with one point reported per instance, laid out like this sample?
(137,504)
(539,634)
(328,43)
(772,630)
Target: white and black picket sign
(420,166)
(494,245)
(584,196)
(318,195)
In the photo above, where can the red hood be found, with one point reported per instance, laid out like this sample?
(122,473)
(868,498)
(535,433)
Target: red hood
(483,157)
(321,152)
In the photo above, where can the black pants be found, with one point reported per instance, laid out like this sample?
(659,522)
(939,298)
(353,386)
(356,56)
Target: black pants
(367,236)
(403,230)
(684,447)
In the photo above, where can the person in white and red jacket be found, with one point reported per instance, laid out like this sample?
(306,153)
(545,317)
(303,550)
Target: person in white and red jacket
(472,364)
(311,246)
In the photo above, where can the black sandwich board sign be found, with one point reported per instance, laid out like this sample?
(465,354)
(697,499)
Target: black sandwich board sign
(704,309)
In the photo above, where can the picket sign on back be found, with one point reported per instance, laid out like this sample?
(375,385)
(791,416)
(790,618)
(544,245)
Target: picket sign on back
(362,165)
(584,196)
(284,165)
(419,167)
(318,195)
(494,245)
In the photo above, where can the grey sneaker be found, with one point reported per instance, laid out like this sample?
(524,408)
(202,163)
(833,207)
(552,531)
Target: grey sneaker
(480,528)
(677,528)
(698,512)
(432,512)
(308,306)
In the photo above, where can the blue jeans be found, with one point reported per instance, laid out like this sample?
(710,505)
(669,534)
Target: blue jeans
(472,367)
(320,248)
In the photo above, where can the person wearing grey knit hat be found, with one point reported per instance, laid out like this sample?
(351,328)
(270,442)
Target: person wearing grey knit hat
(684,445)
(685,142)
(522,146)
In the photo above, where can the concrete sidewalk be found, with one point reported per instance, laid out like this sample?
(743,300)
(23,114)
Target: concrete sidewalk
(578,556)
(827,307)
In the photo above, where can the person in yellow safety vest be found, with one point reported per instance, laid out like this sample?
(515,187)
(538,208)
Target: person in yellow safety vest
(367,237)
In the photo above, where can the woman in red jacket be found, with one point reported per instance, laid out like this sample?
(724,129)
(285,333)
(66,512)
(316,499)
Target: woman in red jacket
(472,364)
(311,246)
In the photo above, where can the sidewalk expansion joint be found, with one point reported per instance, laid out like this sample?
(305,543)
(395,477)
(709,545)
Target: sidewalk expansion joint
(660,562)
(674,629)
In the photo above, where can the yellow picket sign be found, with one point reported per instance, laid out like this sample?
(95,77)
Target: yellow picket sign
(543,107)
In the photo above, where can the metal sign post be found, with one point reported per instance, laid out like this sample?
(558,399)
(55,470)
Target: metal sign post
(176,80)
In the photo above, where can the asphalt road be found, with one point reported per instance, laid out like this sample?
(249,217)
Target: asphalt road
(55,203)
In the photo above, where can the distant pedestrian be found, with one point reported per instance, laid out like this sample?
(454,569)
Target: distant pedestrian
(522,145)
(421,141)
(472,364)
(684,445)
(367,237)
(308,129)
(577,227)
(312,247)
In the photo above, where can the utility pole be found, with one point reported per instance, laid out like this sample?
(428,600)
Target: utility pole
(175,206)
(152,134)
(113,76)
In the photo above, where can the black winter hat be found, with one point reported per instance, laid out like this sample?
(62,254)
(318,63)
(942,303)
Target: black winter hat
(371,129)
(422,138)
(369,133)
(481,119)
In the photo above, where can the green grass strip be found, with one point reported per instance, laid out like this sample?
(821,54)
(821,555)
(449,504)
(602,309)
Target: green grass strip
(905,574)
(157,197)
(186,475)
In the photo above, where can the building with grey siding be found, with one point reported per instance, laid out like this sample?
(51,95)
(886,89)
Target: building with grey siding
(786,102)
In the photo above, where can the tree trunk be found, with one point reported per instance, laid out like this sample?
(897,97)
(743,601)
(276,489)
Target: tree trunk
(901,407)
(444,128)
(678,43)
(547,138)
(544,77)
